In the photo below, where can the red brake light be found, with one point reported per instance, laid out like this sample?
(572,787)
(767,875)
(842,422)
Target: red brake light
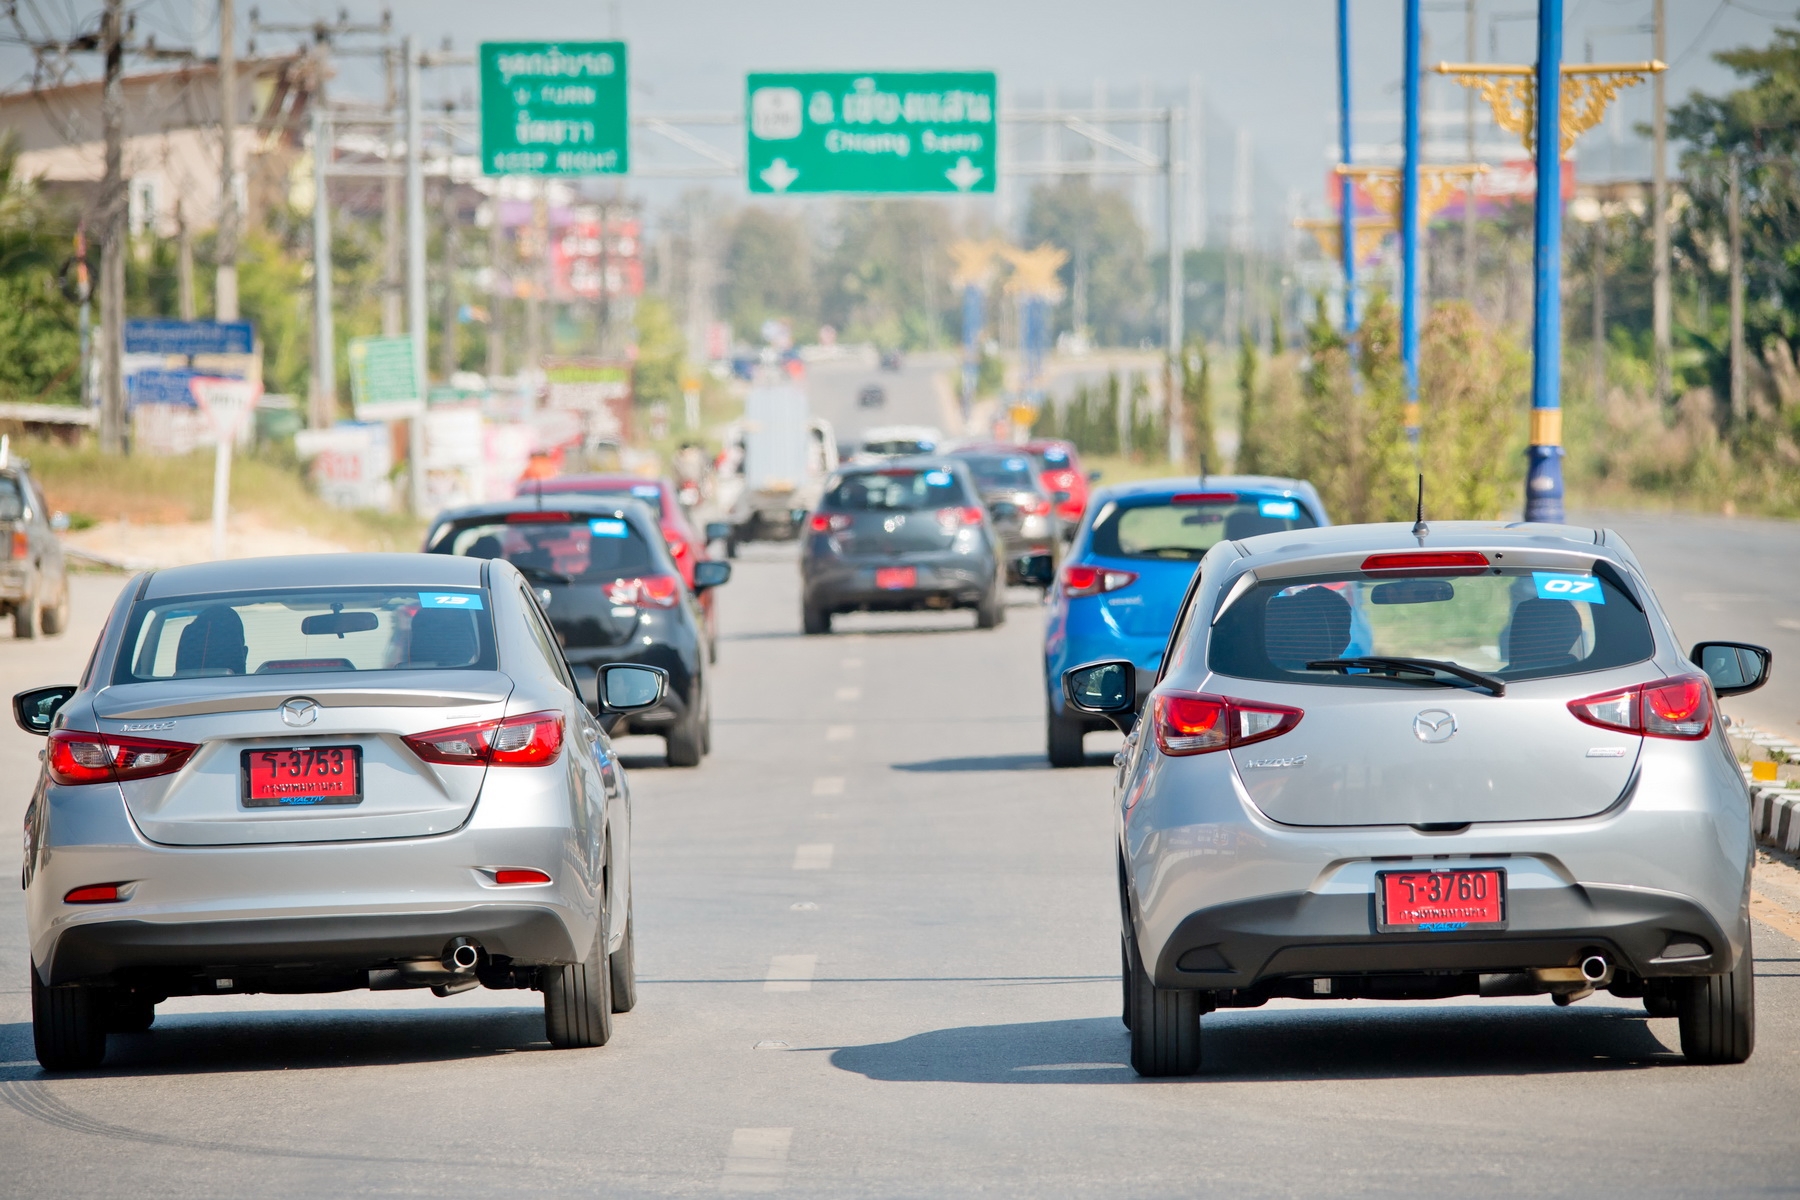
(1680,707)
(829,522)
(677,547)
(1091,581)
(537,518)
(97,893)
(1037,508)
(1431,561)
(1204,498)
(1061,481)
(21,544)
(520,875)
(76,757)
(533,740)
(646,591)
(1196,723)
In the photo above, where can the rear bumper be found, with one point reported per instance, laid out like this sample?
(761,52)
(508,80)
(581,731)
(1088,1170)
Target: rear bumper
(1307,934)
(959,579)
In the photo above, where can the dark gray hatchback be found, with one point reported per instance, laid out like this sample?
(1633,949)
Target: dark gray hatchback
(909,533)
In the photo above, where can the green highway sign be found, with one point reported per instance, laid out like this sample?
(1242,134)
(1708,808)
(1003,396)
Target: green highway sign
(382,378)
(553,108)
(872,132)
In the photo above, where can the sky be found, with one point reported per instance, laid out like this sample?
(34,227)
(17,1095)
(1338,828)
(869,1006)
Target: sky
(1266,67)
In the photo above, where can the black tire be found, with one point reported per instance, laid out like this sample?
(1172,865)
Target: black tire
(130,1012)
(815,620)
(1165,1025)
(25,617)
(1125,981)
(578,999)
(68,1026)
(991,613)
(706,725)
(56,620)
(623,965)
(1063,741)
(1660,998)
(684,743)
(1718,1014)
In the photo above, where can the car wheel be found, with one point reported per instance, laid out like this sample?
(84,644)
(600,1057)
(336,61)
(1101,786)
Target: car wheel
(56,620)
(992,611)
(578,998)
(68,1027)
(683,744)
(623,965)
(815,620)
(1165,1025)
(25,617)
(1718,1014)
(1125,980)
(706,725)
(1063,741)
(1660,999)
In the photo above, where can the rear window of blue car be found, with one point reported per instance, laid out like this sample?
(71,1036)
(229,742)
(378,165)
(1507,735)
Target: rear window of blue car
(1184,526)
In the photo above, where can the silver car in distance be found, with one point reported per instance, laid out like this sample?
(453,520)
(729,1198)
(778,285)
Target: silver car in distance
(1468,759)
(321,773)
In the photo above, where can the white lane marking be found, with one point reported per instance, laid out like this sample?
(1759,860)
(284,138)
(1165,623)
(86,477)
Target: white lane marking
(757,1160)
(799,906)
(849,693)
(790,973)
(839,733)
(828,785)
(851,664)
(1076,1067)
(813,856)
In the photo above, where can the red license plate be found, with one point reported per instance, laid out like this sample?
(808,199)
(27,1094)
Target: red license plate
(894,578)
(302,776)
(1441,901)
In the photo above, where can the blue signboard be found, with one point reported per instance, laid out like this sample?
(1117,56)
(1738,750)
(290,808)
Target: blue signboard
(153,335)
(160,387)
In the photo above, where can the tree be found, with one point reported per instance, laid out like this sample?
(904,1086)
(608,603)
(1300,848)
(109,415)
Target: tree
(1106,273)
(768,273)
(887,278)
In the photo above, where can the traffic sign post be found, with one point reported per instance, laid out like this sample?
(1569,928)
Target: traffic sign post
(554,108)
(384,384)
(883,132)
(228,404)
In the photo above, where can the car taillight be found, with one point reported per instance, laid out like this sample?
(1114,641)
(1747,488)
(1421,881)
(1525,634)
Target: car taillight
(829,522)
(21,544)
(517,875)
(533,740)
(677,547)
(1680,707)
(951,518)
(1451,562)
(1061,481)
(1091,581)
(1037,507)
(646,591)
(94,893)
(76,757)
(1196,723)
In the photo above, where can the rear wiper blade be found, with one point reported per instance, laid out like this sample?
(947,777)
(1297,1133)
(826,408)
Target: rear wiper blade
(1413,666)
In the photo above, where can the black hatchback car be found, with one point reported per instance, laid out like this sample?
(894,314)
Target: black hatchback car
(908,533)
(604,576)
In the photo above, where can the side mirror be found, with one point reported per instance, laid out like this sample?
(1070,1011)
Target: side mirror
(1037,570)
(718,531)
(36,709)
(1104,689)
(1093,477)
(59,522)
(628,687)
(710,574)
(1733,667)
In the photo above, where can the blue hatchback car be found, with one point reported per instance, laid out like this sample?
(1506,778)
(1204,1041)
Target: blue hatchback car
(1128,570)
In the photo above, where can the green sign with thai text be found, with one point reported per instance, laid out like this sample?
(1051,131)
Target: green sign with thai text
(872,132)
(554,108)
(383,379)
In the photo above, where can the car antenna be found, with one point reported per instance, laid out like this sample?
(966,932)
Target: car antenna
(1420,529)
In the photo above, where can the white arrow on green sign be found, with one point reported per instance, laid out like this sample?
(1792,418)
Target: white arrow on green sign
(872,132)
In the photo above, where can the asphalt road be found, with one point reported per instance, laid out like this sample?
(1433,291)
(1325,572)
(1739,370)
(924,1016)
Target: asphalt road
(878,945)
(915,395)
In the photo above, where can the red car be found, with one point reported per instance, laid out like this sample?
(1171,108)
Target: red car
(1059,470)
(686,544)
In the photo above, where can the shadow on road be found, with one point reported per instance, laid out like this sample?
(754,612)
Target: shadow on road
(1362,1043)
(995,762)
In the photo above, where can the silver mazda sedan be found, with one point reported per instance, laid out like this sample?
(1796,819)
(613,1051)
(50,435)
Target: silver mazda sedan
(314,774)
(1461,760)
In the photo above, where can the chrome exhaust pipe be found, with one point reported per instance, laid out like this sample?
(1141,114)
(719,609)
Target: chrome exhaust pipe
(461,955)
(1596,969)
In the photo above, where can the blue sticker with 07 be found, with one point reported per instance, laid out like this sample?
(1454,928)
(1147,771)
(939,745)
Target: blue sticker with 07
(937,478)
(1554,585)
(1285,509)
(467,600)
(608,528)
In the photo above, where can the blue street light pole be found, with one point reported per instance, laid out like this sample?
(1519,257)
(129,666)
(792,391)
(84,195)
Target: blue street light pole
(1346,185)
(1543,474)
(1409,225)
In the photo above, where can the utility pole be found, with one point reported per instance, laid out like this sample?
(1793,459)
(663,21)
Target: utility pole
(1409,221)
(496,353)
(1734,224)
(113,233)
(447,348)
(184,266)
(1597,281)
(1173,412)
(392,287)
(1468,229)
(1661,302)
(1346,184)
(1543,473)
(322,410)
(225,285)
(418,321)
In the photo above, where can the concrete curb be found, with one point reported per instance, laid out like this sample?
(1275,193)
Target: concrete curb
(1775,817)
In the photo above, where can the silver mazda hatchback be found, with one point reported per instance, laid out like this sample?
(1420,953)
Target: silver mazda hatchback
(321,773)
(1462,760)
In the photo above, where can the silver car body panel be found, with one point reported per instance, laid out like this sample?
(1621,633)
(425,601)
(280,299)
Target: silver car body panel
(1245,843)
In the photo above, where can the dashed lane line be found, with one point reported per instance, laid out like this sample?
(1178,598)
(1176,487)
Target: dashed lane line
(839,733)
(757,1160)
(828,785)
(790,973)
(846,694)
(813,856)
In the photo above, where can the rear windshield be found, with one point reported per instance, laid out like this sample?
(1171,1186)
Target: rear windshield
(896,489)
(1186,527)
(288,632)
(1514,624)
(556,548)
(648,493)
(996,471)
(897,447)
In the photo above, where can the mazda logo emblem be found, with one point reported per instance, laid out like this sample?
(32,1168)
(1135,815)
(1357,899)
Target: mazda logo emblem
(299,712)
(1434,725)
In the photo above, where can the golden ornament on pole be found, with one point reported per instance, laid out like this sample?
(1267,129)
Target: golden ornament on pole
(1370,232)
(1034,271)
(1437,181)
(1511,91)
(974,261)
